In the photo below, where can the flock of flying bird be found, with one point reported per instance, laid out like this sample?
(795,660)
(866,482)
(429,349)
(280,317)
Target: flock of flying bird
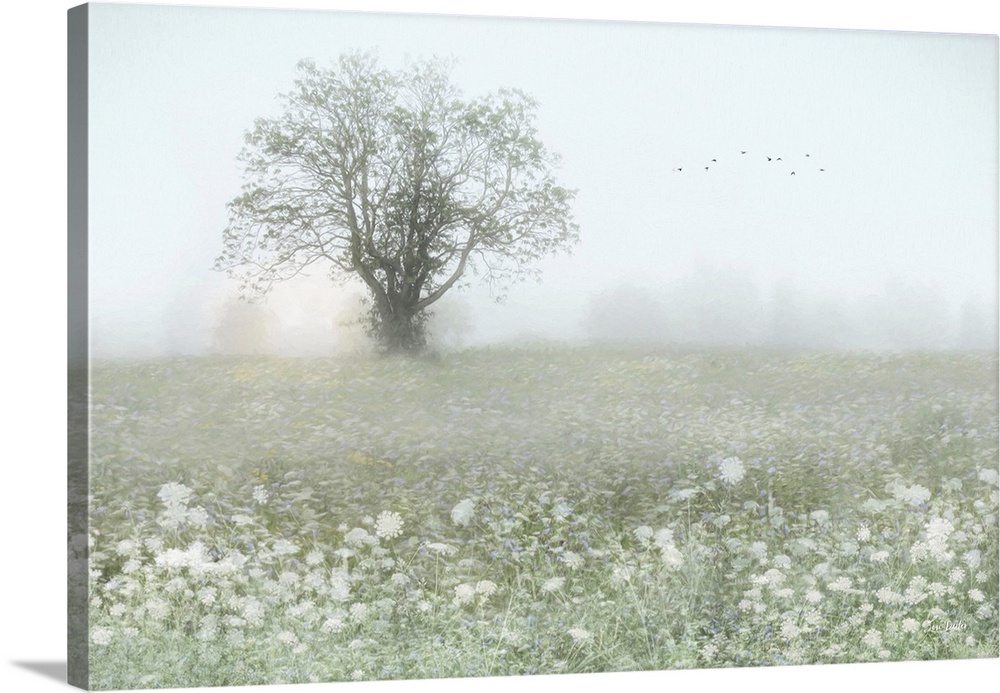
(770,159)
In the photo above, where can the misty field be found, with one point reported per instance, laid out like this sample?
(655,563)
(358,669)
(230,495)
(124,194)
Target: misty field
(512,511)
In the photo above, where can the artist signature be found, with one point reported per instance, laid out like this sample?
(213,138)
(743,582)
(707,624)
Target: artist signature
(947,626)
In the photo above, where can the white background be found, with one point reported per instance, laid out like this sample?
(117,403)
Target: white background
(33,192)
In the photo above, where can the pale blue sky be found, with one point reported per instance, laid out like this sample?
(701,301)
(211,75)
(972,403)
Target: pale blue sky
(905,125)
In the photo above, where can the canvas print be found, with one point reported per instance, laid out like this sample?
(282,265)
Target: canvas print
(413,347)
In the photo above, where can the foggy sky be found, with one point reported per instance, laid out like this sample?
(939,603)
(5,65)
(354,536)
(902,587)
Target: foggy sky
(905,125)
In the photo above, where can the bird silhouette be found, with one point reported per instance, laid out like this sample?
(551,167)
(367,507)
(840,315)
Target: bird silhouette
(742,152)
(793,173)
(768,158)
(822,169)
(706,168)
(713,159)
(807,155)
(779,158)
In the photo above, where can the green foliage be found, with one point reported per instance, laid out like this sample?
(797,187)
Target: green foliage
(562,510)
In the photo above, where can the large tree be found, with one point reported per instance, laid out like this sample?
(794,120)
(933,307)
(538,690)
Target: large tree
(399,180)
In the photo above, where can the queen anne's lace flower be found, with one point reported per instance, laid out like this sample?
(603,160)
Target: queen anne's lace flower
(332,625)
(464,594)
(914,495)
(440,548)
(358,537)
(731,470)
(287,637)
(175,494)
(643,533)
(486,587)
(388,525)
(872,639)
(463,512)
(553,584)
(101,635)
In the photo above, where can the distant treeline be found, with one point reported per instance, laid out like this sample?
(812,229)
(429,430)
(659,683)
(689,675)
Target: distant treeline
(724,309)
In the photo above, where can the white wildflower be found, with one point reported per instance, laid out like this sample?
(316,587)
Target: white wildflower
(643,533)
(820,517)
(332,625)
(198,517)
(283,547)
(973,558)
(888,596)
(252,611)
(260,495)
(789,630)
(663,538)
(579,635)
(774,578)
(990,476)
(976,595)
(841,584)
(731,470)
(174,494)
(389,524)
(464,594)
(553,584)
(101,635)
(872,639)
(125,547)
(463,512)
(287,637)
(157,609)
(937,589)
(935,545)
(672,557)
(486,587)
(914,495)
(910,625)
(441,549)
(863,533)
(879,556)
(358,537)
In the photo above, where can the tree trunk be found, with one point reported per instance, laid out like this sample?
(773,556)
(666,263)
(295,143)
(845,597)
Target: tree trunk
(401,329)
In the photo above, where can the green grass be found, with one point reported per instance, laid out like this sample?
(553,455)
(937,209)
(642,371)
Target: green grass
(567,456)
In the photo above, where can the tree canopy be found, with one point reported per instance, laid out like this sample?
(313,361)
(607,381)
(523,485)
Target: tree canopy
(396,178)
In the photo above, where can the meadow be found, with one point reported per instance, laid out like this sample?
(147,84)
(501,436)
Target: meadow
(501,511)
